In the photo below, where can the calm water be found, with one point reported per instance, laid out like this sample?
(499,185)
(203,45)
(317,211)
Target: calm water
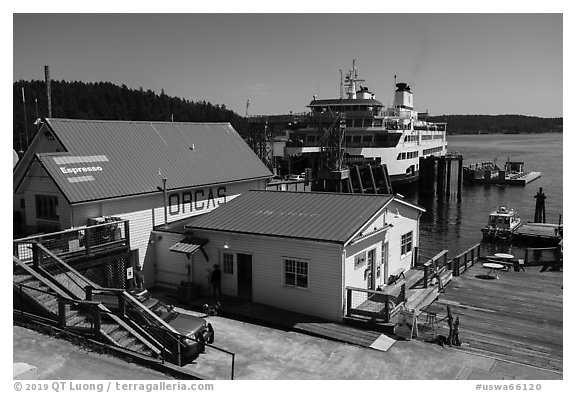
(455,225)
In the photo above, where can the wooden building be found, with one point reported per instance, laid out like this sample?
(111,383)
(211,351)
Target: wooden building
(79,172)
(293,250)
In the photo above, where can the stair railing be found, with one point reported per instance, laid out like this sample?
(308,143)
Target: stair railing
(78,292)
(131,310)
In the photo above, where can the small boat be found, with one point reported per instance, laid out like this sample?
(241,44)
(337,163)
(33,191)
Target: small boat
(502,224)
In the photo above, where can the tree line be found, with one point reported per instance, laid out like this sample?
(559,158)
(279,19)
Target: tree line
(498,124)
(106,101)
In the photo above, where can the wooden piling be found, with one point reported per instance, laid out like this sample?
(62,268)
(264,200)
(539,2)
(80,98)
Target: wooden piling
(372,180)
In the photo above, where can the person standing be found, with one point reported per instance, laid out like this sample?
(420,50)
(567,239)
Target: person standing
(215,280)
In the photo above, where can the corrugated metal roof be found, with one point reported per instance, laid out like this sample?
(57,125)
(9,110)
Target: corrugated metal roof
(305,215)
(107,159)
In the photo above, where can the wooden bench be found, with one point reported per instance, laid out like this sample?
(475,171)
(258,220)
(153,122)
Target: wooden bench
(395,275)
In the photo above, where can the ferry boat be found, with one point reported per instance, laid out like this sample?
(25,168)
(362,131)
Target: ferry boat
(502,224)
(397,136)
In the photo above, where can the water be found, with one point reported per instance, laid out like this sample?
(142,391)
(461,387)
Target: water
(455,225)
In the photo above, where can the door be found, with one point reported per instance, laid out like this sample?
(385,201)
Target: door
(244,275)
(385,262)
(370,270)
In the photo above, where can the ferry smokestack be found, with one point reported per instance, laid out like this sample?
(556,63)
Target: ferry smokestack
(48,90)
(403,96)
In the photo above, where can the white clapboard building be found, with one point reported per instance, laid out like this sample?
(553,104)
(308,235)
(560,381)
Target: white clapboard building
(78,171)
(294,250)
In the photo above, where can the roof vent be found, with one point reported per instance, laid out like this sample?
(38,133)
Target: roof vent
(192,147)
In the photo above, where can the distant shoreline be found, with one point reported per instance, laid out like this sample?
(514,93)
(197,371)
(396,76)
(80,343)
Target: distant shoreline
(503,133)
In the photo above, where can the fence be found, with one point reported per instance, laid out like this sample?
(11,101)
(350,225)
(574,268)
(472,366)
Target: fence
(434,267)
(465,260)
(382,304)
(78,242)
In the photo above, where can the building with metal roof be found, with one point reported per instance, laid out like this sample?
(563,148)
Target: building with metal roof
(317,216)
(150,173)
(301,251)
(92,160)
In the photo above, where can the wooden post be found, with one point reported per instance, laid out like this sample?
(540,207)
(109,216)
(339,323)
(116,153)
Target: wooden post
(88,239)
(127,233)
(61,312)
(372,180)
(357,171)
(387,184)
(348,301)
(456,266)
(460,174)
(540,211)
(88,290)
(349,183)
(36,255)
(441,178)
(386,308)
(121,303)
(426,274)
(97,319)
(448,176)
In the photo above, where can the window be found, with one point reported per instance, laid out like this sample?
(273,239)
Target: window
(295,273)
(228,263)
(406,243)
(359,259)
(47,207)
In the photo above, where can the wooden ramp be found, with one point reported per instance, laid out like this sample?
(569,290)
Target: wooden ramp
(517,317)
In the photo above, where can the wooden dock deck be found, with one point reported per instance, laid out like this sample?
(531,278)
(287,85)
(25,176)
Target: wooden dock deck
(517,317)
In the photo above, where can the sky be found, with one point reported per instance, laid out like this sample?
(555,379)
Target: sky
(454,63)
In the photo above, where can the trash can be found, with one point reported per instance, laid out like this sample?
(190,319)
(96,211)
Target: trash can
(188,291)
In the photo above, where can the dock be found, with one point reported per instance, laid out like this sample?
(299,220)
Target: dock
(539,232)
(522,178)
(517,317)
(490,173)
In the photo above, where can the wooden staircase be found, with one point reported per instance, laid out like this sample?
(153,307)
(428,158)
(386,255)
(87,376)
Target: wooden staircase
(49,300)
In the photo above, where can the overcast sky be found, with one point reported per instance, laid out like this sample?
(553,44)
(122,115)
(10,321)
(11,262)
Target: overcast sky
(454,63)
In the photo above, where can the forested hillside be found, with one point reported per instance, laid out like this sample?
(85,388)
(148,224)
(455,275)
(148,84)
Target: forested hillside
(500,124)
(106,101)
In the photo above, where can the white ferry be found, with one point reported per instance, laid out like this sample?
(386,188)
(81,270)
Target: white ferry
(397,136)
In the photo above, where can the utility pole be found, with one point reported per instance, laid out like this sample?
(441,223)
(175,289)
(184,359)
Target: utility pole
(48,90)
(25,120)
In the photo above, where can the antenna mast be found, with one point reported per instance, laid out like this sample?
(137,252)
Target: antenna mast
(247,106)
(341,85)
